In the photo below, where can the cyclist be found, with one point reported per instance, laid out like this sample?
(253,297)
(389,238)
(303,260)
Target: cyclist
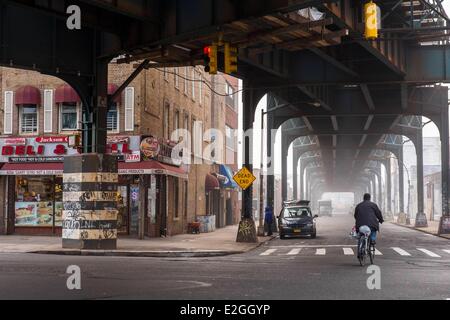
(368,214)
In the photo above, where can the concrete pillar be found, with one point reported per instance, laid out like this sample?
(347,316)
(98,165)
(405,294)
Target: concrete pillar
(247,227)
(90,208)
(421,218)
(270,189)
(302,180)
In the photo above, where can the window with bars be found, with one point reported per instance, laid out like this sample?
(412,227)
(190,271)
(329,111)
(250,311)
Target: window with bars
(28,119)
(69,116)
(112,118)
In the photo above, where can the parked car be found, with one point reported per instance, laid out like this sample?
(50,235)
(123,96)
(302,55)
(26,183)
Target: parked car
(296,219)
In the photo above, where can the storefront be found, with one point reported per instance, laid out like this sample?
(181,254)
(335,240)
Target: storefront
(33,169)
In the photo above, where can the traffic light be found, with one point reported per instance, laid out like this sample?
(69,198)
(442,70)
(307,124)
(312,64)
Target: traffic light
(210,59)
(371,16)
(231,58)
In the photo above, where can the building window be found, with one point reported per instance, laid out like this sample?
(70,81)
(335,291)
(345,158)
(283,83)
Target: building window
(166,74)
(176,196)
(112,118)
(194,81)
(176,124)
(185,80)
(166,121)
(28,119)
(177,79)
(200,90)
(230,137)
(69,116)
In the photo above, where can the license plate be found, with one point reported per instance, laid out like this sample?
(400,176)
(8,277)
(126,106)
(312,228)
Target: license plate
(297,230)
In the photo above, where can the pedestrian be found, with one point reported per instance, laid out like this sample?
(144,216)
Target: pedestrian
(268,219)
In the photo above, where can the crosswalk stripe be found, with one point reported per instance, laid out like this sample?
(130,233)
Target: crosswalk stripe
(401,252)
(321,252)
(294,252)
(378,253)
(428,252)
(268,252)
(348,251)
(447,251)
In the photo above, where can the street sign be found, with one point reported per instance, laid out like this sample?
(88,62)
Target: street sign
(244,178)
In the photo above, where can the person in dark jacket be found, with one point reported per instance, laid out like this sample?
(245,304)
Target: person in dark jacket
(268,220)
(368,214)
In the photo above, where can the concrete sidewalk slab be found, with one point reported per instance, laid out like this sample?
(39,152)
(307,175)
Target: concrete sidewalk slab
(433,227)
(219,243)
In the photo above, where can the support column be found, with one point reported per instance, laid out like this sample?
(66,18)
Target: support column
(389,212)
(401,182)
(247,227)
(421,218)
(444,224)
(284,162)
(90,179)
(302,180)
(294,174)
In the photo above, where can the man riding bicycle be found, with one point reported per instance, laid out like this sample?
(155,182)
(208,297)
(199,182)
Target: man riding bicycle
(368,214)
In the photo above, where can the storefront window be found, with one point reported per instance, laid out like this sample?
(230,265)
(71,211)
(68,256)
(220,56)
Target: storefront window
(38,199)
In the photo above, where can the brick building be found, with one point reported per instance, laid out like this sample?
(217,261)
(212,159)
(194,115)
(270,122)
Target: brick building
(42,113)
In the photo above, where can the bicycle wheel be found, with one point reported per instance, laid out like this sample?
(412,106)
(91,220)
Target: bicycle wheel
(362,252)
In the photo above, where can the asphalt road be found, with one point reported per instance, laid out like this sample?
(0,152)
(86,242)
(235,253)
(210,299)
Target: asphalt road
(302,268)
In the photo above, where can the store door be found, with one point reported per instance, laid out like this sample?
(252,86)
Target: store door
(134,209)
(229,212)
(122,207)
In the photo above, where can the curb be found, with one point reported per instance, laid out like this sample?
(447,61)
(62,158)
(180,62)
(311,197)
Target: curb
(424,231)
(150,254)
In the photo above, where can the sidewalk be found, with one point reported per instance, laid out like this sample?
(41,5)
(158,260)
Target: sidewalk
(218,243)
(433,227)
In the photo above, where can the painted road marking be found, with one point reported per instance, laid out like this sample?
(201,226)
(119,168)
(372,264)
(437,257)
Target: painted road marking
(401,251)
(428,252)
(294,252)
(268,252)
(378,253)
(348,251)
(445,250)
(321,252)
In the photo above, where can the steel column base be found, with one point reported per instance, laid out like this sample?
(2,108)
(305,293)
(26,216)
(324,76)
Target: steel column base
(401,218)
(421,220)
(444,225)
(90,202)
(247,231)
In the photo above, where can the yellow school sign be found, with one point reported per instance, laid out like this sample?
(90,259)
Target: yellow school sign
(244,178)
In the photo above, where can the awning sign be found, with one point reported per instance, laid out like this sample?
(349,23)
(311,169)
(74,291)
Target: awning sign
(244,178)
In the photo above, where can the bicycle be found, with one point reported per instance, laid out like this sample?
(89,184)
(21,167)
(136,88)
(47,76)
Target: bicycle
(365,246)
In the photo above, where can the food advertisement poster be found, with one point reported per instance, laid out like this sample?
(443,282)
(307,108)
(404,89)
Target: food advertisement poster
(34,214)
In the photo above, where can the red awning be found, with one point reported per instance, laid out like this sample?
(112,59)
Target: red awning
(211,183)
(28,95)
(32,169)
(152,167)
(112,88)
(66,93)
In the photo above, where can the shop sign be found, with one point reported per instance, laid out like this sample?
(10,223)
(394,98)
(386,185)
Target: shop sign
(150,148)
(38,149)
(52,139)
(35,159)
(123,146)
(15,141)
(133,157)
